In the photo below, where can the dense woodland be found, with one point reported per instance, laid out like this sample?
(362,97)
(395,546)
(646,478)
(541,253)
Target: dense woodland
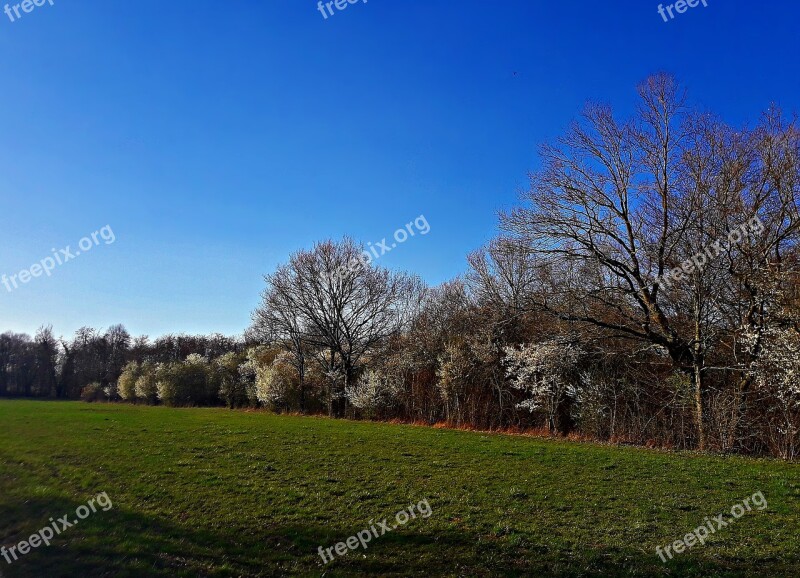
(644,291)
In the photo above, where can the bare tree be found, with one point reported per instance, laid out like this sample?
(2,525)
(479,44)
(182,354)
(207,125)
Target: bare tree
(332,300)
(279,320)
(620,206)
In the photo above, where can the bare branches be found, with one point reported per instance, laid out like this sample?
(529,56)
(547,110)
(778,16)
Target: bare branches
(320,301)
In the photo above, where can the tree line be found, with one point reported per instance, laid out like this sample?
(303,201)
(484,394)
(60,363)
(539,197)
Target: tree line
(644,291)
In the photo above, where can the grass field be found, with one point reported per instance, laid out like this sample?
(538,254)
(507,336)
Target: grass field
(211,492)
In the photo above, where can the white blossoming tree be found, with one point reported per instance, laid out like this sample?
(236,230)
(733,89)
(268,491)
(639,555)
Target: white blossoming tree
(373,390)
(776,373)
(145,385)
(127,381)
(274,381)
(547,372)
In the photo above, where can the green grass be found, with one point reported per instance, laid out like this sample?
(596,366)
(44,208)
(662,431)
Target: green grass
(211,492)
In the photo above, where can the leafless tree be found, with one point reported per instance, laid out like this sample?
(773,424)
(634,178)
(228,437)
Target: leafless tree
(331,299)
(618,206)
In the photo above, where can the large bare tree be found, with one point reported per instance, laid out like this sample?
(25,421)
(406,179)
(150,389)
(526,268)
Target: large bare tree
(631,225)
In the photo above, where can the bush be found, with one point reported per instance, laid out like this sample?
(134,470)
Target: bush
(126,386)
(190,382)
(145,386)
(93,392)
(232,385)
(167,376)
(112,392)
(373,391)
(274,382)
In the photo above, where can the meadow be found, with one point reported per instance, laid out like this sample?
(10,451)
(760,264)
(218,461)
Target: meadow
(214,492)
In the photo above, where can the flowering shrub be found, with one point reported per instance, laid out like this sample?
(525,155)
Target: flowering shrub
(373,391)
(547,372)
(274,381)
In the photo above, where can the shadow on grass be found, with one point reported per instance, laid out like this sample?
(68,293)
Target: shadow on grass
(127,544)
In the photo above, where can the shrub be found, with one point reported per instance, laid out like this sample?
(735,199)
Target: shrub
(232,386)
(112,392)
(373,391)
(190,382)
(167,383)
(546,372)
(93,392)
(145,386)
(126,385)
(274,382)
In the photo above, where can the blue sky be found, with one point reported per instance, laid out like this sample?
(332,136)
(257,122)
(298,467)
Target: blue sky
(216,137)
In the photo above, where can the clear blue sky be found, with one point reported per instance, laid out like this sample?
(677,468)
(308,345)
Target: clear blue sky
(216,137)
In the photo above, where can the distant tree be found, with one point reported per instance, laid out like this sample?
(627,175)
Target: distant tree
(279,320)
(169,385)
(127,381)
(233,387)
(17,364)
(342,306)
(118,343)
(187,383)
(46,362)
(93,392)
(145,387)
(274,382)
(373,391)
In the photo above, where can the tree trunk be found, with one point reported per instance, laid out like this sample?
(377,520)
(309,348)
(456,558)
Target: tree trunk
(300,362)
(565,423)
(698,362)
(741,406)
(301,374)
(699,406)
